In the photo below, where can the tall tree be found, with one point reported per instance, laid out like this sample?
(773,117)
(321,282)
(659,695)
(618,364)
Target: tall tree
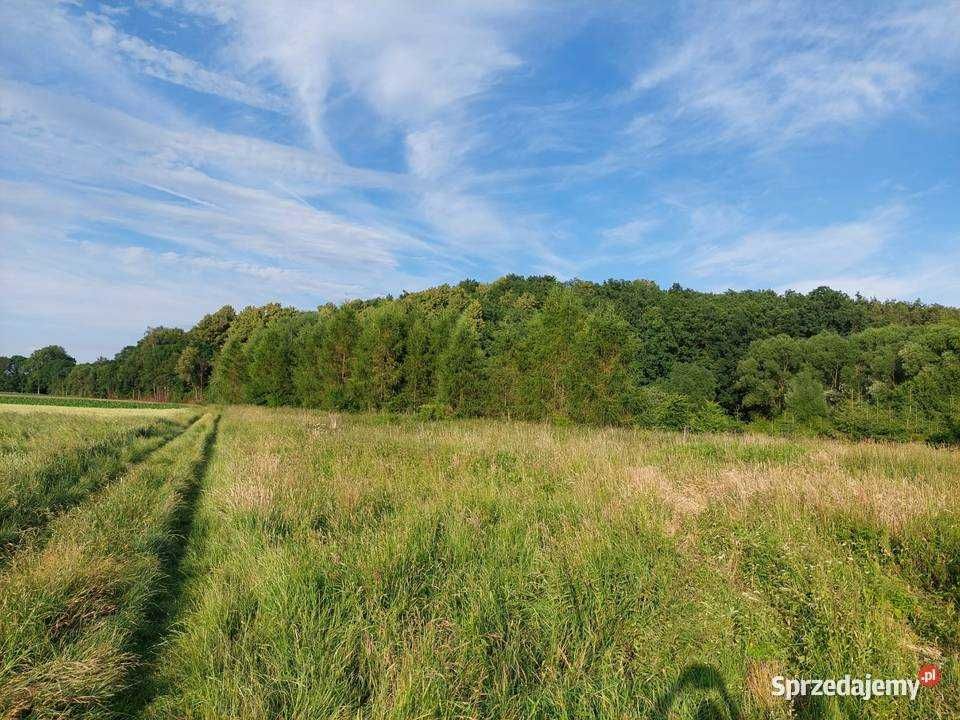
(551,332)
(461,374)
(269,355)
(192,368)
(805,397)
(13,373)
(418,370)
(602,384)
(46,369)
(324,358)
(765,373)
(229,377)
(378,357)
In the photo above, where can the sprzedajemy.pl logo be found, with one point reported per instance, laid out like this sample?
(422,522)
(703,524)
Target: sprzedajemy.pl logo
(865,687)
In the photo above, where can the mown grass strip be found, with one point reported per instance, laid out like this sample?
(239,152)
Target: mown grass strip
(161,613)
(30,500)
(70,612)
(65,401)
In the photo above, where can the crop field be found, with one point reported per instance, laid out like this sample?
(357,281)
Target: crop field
(256,563)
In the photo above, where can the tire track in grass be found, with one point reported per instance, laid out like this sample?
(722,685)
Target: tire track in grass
(163,611)
(72,611)
(67,482)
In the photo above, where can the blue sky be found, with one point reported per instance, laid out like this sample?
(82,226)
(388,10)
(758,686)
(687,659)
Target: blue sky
(165,157)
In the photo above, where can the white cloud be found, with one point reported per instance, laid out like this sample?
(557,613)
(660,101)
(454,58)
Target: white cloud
(418,66)
(120,192)
(933,279)
(175,68)
(409,61)
(774,255)
(630,233)
(775,72)
(436,150)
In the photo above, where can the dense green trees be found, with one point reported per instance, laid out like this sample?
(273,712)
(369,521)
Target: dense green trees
(601,378)
(192,368)
(535,348)
(269,358)
(377,362)
(893,381)
(324,362)
(45,370)
(229,379)
(12,374)
(204,341)
(765,372)
(461,366)
(805,400)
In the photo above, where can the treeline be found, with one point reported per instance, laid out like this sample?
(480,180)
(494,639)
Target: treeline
(620,352)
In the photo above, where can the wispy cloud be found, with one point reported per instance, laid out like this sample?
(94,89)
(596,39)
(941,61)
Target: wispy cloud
(173,67)
(632,232)
(792,256)
(228,211)
(192,152)
(409,62)
(771,72)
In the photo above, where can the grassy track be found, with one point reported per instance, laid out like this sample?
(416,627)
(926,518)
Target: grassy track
(65,401)
(71,612)
(383,569)
(49,463)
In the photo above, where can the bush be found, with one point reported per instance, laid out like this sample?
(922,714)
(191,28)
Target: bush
(656,407)
(434,411)
(862,420)
(788,424)
(693,381)
(660,408)
(805,399)
(710,417)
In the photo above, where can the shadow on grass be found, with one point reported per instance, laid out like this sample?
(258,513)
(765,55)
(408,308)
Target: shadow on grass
(705,682)
(157,623)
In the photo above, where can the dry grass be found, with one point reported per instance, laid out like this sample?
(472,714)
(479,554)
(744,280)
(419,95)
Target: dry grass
(97,412)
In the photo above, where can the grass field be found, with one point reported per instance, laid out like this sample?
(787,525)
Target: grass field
(58,401)
(290,564)
(50,461)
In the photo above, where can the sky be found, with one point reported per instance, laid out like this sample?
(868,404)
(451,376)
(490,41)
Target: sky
(162,158)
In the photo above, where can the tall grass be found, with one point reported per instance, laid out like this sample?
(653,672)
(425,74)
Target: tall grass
(49,463)
(71,611)
(391,569)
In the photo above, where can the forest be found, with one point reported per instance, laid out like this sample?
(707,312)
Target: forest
(621,352)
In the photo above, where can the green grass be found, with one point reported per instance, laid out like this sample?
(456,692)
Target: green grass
(321,566)
(27,399)
(71,611)
(50,463)
(513,571)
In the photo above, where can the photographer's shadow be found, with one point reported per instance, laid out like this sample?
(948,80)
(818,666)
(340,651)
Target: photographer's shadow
(706,683)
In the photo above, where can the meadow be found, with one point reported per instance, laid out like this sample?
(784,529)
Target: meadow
(256,563)
(83,402)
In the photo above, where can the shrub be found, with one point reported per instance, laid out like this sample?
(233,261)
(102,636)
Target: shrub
(660,408)
(861,420)
(805,398)
(434,411)
(710,417)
